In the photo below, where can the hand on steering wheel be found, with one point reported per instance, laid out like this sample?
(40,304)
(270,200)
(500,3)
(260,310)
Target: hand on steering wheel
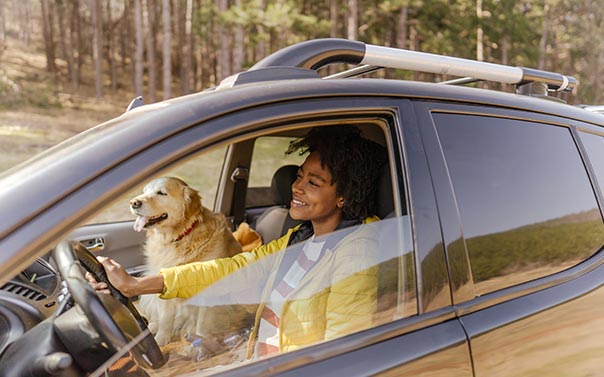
(70,257)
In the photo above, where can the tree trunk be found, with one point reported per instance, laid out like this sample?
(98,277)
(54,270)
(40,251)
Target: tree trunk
(238,46)
(47,31)
(479,32)
(333,33)
(401,27)
(167,64)
(543,40)
(66,37)
(2,25)
(60,11)
(76,37)
(138,55)
(224,44)
(186,49)
(413,42)
(111,48)
(97,45)
(148,28)
(353,20)
(179,24)
(25,21)
(505,50)
(333,18)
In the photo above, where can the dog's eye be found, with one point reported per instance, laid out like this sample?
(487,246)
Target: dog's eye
(161,193)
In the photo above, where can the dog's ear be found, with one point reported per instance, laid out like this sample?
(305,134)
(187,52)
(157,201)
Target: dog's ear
(192,202)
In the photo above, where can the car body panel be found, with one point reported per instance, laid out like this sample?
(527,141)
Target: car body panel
(554,331)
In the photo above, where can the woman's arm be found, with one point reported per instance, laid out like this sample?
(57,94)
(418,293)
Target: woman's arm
(130,286)
(187,280)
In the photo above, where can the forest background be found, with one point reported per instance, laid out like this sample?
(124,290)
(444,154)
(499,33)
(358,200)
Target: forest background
(67,65)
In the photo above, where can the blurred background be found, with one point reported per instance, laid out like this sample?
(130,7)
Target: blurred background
(67,65)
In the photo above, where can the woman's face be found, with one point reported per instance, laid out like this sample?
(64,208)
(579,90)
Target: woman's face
(314,197)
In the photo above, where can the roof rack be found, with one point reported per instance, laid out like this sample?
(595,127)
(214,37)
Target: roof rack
(318,53)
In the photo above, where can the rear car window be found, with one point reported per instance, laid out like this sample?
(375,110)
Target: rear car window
(526,205)
(594,145)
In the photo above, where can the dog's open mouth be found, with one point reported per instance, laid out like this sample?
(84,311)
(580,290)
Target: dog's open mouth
(143,222)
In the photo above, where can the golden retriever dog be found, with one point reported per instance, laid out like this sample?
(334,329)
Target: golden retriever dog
(181,230)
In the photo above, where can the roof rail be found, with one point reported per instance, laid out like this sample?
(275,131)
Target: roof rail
(318,53)
(593,108)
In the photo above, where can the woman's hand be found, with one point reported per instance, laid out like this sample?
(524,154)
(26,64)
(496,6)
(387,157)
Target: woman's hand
(117,276)
(130,286)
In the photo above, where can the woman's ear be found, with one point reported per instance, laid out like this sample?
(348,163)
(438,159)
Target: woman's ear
(340,202)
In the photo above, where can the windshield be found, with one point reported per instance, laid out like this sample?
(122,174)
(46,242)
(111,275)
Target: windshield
(318,289)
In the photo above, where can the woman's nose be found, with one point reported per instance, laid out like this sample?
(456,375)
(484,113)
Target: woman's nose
(296,185)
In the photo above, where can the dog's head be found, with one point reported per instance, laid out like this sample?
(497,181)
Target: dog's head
(165,203)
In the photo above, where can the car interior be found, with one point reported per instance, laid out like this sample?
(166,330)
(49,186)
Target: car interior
(38,292)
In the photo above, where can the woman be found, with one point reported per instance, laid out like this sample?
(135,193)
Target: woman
(328,287)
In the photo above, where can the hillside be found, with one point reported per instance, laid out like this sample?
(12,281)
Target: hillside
(37,111)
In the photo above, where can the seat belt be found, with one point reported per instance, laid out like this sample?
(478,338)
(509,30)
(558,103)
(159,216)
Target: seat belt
(239,177)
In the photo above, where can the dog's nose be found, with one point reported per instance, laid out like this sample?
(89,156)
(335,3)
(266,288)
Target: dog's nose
(135,203)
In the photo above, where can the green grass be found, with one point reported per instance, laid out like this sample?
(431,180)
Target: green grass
(545,244)
(548,246)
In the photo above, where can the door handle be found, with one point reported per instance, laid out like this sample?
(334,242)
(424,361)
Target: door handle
(94,244)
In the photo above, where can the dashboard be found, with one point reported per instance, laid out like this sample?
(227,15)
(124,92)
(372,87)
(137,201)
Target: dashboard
(27,299)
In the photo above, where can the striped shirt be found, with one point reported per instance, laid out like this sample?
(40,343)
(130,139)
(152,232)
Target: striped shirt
(268,330)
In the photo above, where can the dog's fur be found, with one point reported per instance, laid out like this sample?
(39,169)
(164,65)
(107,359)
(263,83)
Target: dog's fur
(181,230)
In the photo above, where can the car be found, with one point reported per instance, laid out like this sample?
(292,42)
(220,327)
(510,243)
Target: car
(488,251)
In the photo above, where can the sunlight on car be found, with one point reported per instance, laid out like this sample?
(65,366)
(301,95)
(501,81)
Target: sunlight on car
(382,250)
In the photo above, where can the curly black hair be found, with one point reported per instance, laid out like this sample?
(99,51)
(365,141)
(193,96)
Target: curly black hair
(353,161)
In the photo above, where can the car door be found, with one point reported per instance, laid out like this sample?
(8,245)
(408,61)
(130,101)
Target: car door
(523,230)
(421,334)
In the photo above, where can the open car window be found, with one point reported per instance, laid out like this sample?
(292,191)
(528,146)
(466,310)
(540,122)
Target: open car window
(363,277)
(201,172)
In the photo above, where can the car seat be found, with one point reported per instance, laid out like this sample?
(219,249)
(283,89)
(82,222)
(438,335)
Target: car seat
(275,221)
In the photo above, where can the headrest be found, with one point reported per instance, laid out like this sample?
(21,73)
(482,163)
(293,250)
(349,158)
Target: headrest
(281,185)
(384,200)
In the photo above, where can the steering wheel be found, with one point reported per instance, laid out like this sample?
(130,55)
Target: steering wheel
(70,257)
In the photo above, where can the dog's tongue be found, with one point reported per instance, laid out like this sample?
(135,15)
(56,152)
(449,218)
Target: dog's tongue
(140,222)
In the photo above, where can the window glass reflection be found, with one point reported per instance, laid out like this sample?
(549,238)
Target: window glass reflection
(594,145)
(371,265)
(526,205)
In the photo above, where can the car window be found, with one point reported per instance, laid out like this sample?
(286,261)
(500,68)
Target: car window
(268,156)
(594,145)
(364,277)
(201,172)
(526,205)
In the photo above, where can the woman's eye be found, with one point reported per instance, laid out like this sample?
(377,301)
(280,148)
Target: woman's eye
(313,183)
(161,193)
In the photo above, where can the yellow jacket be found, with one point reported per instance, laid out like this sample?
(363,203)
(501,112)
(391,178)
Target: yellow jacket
(336,297)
